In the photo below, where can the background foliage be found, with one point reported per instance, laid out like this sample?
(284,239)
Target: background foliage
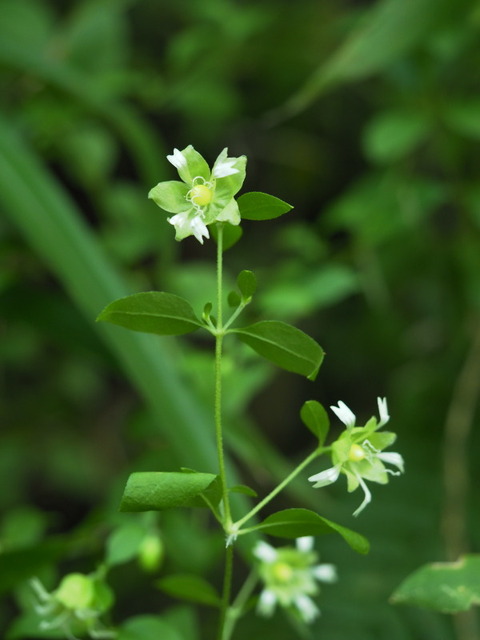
(366,117)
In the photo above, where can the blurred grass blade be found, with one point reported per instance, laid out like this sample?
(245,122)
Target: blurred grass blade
(386,32)
(51,224)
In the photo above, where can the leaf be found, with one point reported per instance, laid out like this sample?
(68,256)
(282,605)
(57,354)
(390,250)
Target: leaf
(261,206)
(295,523)
(158,490)
(315,418)
(190,587)
(392,135)
(247,284)
(231,234)
(124,543)
(447,587)
(242,488)
(284,345)
(152,312)
(147,628)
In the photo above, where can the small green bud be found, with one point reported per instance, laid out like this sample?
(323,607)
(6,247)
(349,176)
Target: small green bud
(150,553)
(76,591)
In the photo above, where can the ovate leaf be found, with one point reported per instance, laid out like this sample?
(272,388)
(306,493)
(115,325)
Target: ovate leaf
(295,523)
(158,490)
(315,418)
(152,312)
(247,283)
(191,588)
(284,345)
(147,628)
(447,587)
(261,206)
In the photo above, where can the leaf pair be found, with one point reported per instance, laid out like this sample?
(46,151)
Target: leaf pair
(167,314)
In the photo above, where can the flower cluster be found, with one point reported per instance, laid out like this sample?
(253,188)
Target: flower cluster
(204,196)
(290,577)
(358,453)
(75,606)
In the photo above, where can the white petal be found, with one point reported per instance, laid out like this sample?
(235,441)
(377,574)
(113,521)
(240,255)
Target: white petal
(307,608)
(266,602)
(392,458)
(177,159)
(199,229)
(383,411)
(187,225)
(326,477)
(305,543)
(344,414)
(223,166)
(265,552)
(325,572)
(368,495)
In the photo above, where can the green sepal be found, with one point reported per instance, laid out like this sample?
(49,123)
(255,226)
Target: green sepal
(295,523)
(284,345)
(170,196)
(152,312)
(448,587)
(247,284)
(196,166)
(190,587)
(159,490)
(261,206)
(315,418)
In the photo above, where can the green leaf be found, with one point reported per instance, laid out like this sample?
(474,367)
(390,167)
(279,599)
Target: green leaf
(392,135)
(231,234)
(315,418)
(152,312)
(284,345)
(242,488)
(233,299)
(147,628)
(447,587)
(124,543)
(190,587)
(158,490)
(247,284)
(261,206)
(295,523)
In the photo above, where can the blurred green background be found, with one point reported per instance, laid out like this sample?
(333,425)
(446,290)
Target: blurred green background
(363,115)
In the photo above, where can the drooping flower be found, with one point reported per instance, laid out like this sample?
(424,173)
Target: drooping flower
(290,576)
(204,196)
(75,606)
(358,453)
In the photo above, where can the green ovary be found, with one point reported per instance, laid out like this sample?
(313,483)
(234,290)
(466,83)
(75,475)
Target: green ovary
(201,195)
(356,453)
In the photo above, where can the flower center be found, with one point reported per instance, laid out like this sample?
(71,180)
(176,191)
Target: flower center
(356,453)
(201,195)
(282,572)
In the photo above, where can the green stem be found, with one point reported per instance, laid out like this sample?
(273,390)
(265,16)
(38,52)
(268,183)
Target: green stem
(278,488)
(239,603)
(218,381)
(227,586)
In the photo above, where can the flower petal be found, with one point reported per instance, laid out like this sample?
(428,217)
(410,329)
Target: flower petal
(392,458)
(325,573)
(177,159)
(265,552)
(344,414)
(188,224)
(306,607)
(383,411)
(326,477)
(224,166)
(305,543)
(266,602)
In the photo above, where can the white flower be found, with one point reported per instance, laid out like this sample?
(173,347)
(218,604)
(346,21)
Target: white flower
(290,576)
(358,454)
